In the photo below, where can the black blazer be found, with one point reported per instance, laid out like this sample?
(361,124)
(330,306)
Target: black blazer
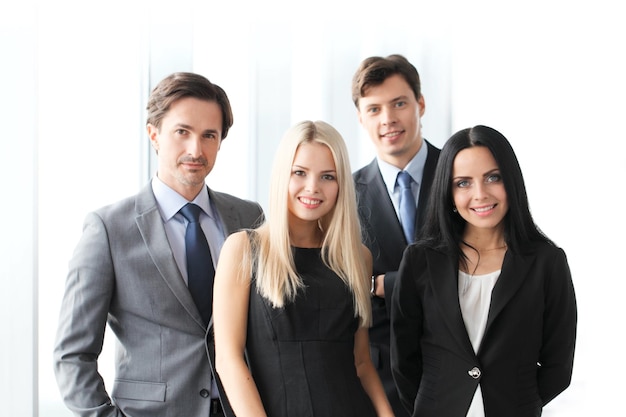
(527,351)
(382,234)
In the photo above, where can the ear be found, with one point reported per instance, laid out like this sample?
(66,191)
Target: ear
(422,105)
(359,116)
(153,134)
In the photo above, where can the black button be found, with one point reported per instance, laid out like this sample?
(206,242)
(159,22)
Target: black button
(204,393)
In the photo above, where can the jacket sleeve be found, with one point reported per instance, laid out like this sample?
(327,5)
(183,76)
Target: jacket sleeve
(406,329)
(556,358)
(80,333)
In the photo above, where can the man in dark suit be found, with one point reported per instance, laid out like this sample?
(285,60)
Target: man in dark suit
(387,95)
(130,270)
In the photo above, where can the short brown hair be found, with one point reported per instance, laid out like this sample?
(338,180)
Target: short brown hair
(375,70)
(186,84)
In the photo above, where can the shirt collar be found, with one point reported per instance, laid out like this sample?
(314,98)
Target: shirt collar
(415,168)
(170,202)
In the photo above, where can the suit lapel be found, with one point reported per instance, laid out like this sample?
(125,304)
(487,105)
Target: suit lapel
(382,216)
(425,185)
(444,282)
(152,230)
(514,269)
(379,216)
(226,212)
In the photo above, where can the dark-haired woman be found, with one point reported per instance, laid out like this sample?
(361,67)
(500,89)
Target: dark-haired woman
(483,312)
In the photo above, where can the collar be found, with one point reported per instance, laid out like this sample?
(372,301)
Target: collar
(170,202)
(415,168)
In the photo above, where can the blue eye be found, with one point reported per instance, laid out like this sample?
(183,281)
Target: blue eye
(494,178)
(462,184)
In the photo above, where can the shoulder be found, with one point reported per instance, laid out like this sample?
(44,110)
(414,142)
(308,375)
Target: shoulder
(238,239)
(545,250)
(235,247)
(229,199)
(544,259)
(432,157)
(432,148)
(236,212)
(420,257)
(424,249)
(366,173)
(124,209)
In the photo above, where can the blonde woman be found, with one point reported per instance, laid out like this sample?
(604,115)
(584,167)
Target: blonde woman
(293,295)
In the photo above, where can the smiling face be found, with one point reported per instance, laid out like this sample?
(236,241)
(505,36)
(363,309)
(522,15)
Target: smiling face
(390,113)
(478,190)
(313,186)
(187,143)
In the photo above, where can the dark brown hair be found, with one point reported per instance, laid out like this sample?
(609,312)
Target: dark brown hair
(375,70)
(186,84)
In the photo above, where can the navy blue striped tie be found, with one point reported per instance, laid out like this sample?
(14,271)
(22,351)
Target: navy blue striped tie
(407,206)
(200,272)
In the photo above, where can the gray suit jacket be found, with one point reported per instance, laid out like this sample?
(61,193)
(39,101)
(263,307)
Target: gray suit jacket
(123,273)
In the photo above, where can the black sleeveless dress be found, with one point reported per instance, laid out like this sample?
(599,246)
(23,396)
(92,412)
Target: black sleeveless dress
(301,356)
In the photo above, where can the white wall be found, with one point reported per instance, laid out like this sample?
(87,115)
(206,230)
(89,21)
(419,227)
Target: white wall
(18,214)
(549,75)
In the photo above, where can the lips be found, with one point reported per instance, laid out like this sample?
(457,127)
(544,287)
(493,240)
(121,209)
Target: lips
(484,210)
(310,202)
(392,135)
(193,162)
(193,166)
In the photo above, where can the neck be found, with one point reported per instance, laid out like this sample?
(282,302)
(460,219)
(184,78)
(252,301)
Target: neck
(310,236)
(401,160)
(485,241)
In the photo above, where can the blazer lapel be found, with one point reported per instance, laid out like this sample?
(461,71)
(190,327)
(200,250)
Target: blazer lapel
(426,183)
(152,230)
(514,269)
(226,212)
(444,282)
(379,216)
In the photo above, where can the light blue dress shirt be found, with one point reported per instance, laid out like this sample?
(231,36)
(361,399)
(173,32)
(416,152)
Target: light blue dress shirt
(415,168)
(169,203)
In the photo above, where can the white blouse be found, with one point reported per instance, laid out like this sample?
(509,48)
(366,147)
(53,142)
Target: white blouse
(475,300)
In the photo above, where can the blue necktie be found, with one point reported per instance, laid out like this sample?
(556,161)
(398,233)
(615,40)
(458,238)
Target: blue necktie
(200,272)
(407,206)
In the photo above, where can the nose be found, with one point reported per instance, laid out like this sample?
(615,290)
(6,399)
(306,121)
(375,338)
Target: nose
(311,185)
(387,115)
(194,146)
(480,191)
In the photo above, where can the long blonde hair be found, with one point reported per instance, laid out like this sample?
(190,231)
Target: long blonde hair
(342,251)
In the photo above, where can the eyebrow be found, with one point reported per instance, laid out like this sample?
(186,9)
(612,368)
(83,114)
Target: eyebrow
(399,98)
(189,127)
(393,100)
(491,172)
(307,168)
(486,174)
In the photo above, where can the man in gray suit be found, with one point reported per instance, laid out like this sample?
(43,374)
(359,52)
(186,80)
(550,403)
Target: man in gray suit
(130,270)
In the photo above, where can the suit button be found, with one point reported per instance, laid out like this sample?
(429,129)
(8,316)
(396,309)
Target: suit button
(204,393)
(474,373)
